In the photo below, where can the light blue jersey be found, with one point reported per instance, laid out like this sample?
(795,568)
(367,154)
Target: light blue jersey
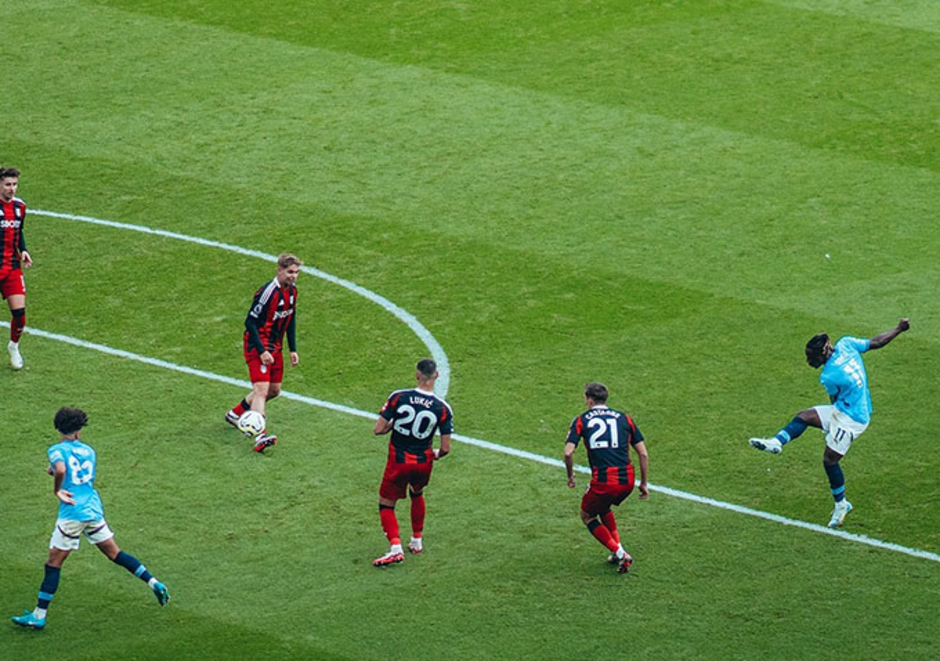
(844,378)
(80,467)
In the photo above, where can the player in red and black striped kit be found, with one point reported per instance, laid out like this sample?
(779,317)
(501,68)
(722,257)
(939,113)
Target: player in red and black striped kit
(13,255)
(608,435)
(412,416)
(273,314)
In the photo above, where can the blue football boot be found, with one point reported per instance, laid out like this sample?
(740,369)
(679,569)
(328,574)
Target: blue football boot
(162,594)
(29,620)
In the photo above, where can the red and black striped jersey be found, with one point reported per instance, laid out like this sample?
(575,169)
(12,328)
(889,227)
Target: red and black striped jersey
(607,435)
(12,242)
(273,311)
(415,415)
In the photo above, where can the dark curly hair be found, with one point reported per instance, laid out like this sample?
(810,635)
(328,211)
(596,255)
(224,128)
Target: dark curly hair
(68,421)
(9,172)
(815,348)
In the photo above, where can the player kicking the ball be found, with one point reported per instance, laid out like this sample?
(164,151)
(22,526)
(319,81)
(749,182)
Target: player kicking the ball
(73,466)
(849,412)
(608,435)
(273,314)
(412,417)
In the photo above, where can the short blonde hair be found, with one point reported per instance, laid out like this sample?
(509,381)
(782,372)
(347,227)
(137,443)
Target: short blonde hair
(286,259)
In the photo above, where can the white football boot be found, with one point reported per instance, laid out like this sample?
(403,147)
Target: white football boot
(772,445)
(838,513)
(16,360)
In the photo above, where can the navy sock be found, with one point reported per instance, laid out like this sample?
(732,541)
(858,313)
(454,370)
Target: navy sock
(50,583)
(836,481)
(792,431)
(134,566)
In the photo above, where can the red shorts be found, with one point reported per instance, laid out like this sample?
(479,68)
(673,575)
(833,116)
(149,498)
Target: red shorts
(398,476)
(600,496)
(261,373)
(12,283)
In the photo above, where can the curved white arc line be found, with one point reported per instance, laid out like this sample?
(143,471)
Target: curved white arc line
(437,351)
(488,445)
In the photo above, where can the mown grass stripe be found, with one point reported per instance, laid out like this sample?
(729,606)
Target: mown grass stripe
(437,351)
(487,445)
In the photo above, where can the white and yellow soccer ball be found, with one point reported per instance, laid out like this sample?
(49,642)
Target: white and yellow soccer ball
(251,423)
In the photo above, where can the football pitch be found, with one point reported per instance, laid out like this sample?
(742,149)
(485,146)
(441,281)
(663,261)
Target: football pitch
(670,198)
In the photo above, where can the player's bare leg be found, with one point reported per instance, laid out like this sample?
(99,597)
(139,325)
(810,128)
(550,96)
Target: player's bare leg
(260,394)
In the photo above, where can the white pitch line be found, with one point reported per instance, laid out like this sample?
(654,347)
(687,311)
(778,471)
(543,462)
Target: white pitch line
(488,445)
(437,351)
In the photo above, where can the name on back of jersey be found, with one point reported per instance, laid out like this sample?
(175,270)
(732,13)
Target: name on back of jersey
(596,412)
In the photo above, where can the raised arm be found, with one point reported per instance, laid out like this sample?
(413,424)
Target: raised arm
(880,340)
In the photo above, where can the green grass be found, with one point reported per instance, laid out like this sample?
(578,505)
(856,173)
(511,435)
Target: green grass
(641,193)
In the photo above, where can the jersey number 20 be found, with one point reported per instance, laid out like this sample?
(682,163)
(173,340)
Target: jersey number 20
(419,424)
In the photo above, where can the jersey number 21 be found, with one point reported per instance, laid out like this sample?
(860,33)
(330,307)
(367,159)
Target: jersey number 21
(605,435)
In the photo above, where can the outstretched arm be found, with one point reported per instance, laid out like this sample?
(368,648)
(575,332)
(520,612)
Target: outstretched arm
(880,340)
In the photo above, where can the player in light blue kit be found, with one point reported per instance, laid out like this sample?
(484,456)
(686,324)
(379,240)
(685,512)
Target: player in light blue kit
(844,378)
(72,465)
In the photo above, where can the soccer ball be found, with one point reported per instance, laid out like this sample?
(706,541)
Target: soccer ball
(251,423)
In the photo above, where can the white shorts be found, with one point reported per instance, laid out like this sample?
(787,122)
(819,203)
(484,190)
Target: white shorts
(68,533)
(840,429)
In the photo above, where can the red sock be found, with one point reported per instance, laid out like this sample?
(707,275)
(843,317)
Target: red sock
(17,323)
(611,523)
(389,524)
(602,534)
(240,408)
(417,515)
